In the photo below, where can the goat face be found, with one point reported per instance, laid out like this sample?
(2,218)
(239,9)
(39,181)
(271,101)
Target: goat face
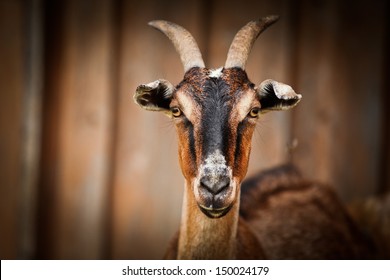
(215,113)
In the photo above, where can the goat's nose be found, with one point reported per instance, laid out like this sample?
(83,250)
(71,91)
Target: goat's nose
(215,186)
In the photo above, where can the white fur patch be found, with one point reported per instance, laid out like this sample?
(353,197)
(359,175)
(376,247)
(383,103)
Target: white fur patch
(186,104)
(244,105)
(216,73)
(215,165)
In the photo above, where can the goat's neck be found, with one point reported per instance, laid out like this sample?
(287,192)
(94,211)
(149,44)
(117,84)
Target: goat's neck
(205,238)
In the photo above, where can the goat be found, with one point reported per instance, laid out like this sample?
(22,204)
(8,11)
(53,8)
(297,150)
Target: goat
(275,215)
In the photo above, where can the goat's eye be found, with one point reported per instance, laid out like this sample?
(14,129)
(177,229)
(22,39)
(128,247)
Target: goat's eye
(254,112)
(176,112)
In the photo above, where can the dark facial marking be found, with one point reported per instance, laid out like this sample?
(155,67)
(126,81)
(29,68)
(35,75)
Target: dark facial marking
(240,131)
(216,108)
(191,140)
(243,143)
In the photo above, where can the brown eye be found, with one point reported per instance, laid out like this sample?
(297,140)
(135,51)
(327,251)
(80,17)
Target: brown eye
(254,112)
(176,112)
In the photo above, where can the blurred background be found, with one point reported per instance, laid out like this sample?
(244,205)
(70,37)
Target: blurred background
(86,174)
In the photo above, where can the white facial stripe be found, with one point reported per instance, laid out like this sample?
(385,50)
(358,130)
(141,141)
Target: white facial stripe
(186,104)
(244,104)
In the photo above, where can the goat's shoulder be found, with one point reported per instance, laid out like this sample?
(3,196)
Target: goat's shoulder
(248,245)
(284,185)
(296,218)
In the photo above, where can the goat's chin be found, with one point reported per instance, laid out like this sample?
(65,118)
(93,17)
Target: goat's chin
(215,213)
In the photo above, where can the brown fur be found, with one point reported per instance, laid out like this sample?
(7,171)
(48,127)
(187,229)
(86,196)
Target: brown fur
(201,237)
(193,87)
(284,217)
(247,246)
(295,219)
(373,218)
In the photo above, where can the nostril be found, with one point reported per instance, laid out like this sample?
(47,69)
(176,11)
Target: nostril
(224,184)
(215,186)
(205,184)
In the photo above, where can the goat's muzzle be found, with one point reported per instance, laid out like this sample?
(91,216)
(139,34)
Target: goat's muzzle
(215,188)
(215,196)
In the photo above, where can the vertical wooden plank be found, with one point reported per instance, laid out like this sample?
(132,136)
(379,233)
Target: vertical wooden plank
(47,198)
(385,100)
(31,129)
(315,132)
(147,185)
(339,72)
(270,58)
(75,161)
(11,96)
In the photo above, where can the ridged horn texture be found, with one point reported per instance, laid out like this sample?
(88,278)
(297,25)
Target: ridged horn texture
(183,42)
(243,41)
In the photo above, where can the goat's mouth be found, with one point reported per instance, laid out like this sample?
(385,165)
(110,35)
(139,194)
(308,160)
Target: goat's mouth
(215,204)
(215,213)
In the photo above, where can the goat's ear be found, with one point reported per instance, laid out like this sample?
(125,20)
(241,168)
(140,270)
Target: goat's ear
(155,96)
(276,96)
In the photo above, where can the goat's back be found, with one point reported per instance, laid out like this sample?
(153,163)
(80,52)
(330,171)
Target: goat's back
(296,219)
(373,216)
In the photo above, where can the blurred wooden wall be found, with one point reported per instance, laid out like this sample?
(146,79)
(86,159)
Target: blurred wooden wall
(86,174)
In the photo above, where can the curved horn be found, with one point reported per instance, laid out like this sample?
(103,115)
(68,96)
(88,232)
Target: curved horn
(244,40)
(183,42)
